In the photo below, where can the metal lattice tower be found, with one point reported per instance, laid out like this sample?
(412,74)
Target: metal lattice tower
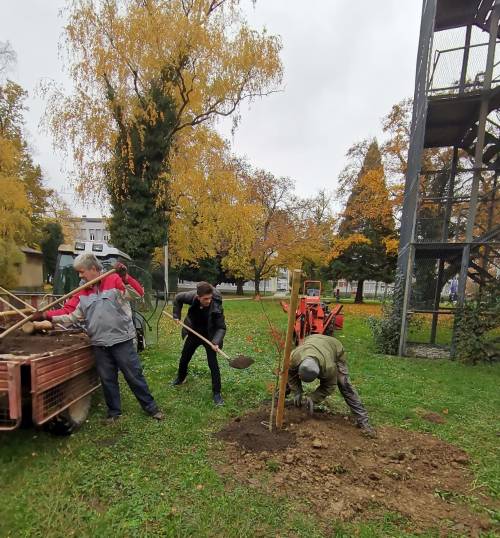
(450,230)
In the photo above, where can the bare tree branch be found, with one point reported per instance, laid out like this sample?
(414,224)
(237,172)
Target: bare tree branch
(214,5)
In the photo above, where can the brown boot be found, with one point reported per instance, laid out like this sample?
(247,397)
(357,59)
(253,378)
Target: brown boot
(368,431)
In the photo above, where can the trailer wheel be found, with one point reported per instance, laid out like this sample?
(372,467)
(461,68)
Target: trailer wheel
(71,418)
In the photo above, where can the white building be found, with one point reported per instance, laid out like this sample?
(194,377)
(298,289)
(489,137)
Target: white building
(91,229)
(371,289)
(277,284)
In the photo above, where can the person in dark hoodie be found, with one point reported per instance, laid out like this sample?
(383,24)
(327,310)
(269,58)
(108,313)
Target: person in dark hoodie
(206,316)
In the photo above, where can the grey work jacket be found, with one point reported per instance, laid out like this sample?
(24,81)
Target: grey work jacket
(107,317)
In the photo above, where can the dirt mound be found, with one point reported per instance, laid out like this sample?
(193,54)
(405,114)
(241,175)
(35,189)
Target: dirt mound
(252,435)
(22,344)
(436,418)
(325,463)
(241,362)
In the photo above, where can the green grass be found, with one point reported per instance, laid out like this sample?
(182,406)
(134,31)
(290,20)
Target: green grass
(142,478)
(420,330)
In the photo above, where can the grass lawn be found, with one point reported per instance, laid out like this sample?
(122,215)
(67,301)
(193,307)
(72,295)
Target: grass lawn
(142,478)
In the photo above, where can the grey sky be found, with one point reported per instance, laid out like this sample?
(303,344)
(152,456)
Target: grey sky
(346,63)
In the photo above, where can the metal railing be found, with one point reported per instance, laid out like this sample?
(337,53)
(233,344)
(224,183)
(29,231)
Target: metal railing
(446,70)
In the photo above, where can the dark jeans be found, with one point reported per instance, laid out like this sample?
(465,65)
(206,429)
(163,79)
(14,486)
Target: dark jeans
(350,395)
(122,357)
(191,344)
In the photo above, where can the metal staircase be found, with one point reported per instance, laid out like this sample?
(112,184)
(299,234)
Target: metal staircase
(451,217)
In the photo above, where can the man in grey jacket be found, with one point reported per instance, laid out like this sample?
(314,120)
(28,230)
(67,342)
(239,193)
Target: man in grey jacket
(206,316)
(107,314)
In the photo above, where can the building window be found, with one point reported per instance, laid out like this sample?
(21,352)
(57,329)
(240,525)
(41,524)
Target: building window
(92,235)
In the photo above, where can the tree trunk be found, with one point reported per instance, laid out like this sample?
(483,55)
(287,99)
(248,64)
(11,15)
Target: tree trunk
(239,286)
(257,286)
(359,292)
(376,289)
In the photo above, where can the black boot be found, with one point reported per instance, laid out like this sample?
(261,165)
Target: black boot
(218,399)
(177,381)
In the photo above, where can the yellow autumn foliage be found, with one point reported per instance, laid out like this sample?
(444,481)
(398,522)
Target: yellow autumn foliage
(211,212)
(341,244)
(201,53)
(15,224)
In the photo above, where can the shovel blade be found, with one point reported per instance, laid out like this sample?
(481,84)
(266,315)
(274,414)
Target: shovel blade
(241,362)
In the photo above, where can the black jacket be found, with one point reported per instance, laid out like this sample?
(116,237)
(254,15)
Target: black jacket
(216,323)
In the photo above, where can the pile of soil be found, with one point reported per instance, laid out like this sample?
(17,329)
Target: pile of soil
(325,464)
(241,362)
(29,344)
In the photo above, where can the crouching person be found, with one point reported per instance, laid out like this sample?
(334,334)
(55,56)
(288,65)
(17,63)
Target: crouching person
(323,357)
(108,318)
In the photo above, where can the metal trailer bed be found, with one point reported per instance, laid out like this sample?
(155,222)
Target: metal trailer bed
(44,384)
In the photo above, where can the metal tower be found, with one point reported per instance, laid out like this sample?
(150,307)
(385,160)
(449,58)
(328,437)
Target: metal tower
(450,232)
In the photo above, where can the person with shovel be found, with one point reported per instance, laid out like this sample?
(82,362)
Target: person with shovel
(206,316)
(107,314)
(323,357)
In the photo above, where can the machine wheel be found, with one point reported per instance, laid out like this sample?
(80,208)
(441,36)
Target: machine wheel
(71,418)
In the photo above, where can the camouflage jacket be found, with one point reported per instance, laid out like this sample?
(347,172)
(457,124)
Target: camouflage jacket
(328,351)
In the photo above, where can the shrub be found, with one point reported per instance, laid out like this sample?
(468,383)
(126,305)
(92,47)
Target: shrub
(477,328)
(386,329)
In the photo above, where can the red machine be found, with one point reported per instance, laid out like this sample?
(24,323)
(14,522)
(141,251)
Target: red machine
(313,316)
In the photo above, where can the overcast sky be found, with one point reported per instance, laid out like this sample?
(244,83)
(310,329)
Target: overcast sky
(346,63)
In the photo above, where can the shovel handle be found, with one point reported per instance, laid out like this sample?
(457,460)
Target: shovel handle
(20,312)
(53,303)
(188,328)
(30,306)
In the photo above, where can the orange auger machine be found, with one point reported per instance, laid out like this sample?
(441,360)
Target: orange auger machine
(312,315)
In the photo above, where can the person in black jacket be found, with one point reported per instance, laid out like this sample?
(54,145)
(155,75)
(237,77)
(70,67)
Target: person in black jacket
(206,316)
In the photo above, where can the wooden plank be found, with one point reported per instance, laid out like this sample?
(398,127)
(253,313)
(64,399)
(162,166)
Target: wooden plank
(294,300)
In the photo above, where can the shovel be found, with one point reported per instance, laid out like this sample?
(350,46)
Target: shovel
(239,362)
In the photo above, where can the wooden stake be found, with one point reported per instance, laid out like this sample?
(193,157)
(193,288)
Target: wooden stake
(9,313)
(294,301)
(30,306)
(20,312)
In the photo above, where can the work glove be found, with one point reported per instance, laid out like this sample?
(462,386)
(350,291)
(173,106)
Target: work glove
(38,316)
(121,271)
(42,325)
(297,399)
(309,405)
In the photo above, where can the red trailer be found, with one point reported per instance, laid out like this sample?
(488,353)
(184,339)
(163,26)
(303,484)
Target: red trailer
(50,388)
